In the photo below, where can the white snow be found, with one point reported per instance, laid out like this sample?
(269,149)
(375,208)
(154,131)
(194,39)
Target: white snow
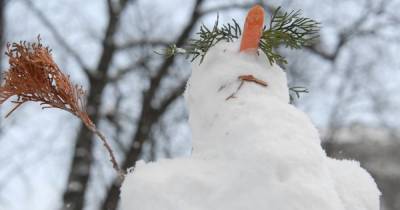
(253,151)
(353,185)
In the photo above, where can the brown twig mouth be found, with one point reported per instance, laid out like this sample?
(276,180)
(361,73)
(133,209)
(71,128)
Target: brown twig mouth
(246,78)
(251,78)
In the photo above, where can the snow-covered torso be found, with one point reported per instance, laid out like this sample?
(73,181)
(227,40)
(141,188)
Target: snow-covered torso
(250,151)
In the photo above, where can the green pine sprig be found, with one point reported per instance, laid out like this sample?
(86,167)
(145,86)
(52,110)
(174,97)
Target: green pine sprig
(285,29)
(207,37)
(290,30)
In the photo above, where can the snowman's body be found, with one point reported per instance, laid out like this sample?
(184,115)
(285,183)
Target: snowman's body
(251,151)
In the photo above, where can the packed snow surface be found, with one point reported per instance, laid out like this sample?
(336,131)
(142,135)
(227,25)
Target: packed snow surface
(250,151)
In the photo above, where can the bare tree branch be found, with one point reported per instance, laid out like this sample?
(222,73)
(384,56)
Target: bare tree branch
(227,7)
(121,72)
(140,43)
(176,93)
(57,35)
(355,30)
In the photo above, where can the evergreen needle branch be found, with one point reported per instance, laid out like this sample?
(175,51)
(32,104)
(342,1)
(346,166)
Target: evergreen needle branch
(290,30)
(206,38)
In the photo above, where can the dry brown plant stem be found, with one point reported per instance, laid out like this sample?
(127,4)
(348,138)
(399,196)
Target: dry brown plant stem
(109,150)
(34,76)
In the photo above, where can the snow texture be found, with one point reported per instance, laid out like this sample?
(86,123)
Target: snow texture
(253,151)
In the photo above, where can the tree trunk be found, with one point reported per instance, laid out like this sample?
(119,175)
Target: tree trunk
(142,133)
(74,194)
(148,116)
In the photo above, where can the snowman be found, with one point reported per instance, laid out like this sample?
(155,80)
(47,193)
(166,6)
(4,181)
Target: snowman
(252,150)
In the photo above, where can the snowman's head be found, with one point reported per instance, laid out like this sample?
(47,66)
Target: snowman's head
(217,77)
(213,82)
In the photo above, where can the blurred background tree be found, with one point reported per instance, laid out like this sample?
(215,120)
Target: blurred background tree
(50,161)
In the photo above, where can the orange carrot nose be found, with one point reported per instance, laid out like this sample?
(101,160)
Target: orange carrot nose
(253,28)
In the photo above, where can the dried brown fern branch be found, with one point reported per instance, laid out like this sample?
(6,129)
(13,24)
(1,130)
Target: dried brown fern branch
(34,76)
